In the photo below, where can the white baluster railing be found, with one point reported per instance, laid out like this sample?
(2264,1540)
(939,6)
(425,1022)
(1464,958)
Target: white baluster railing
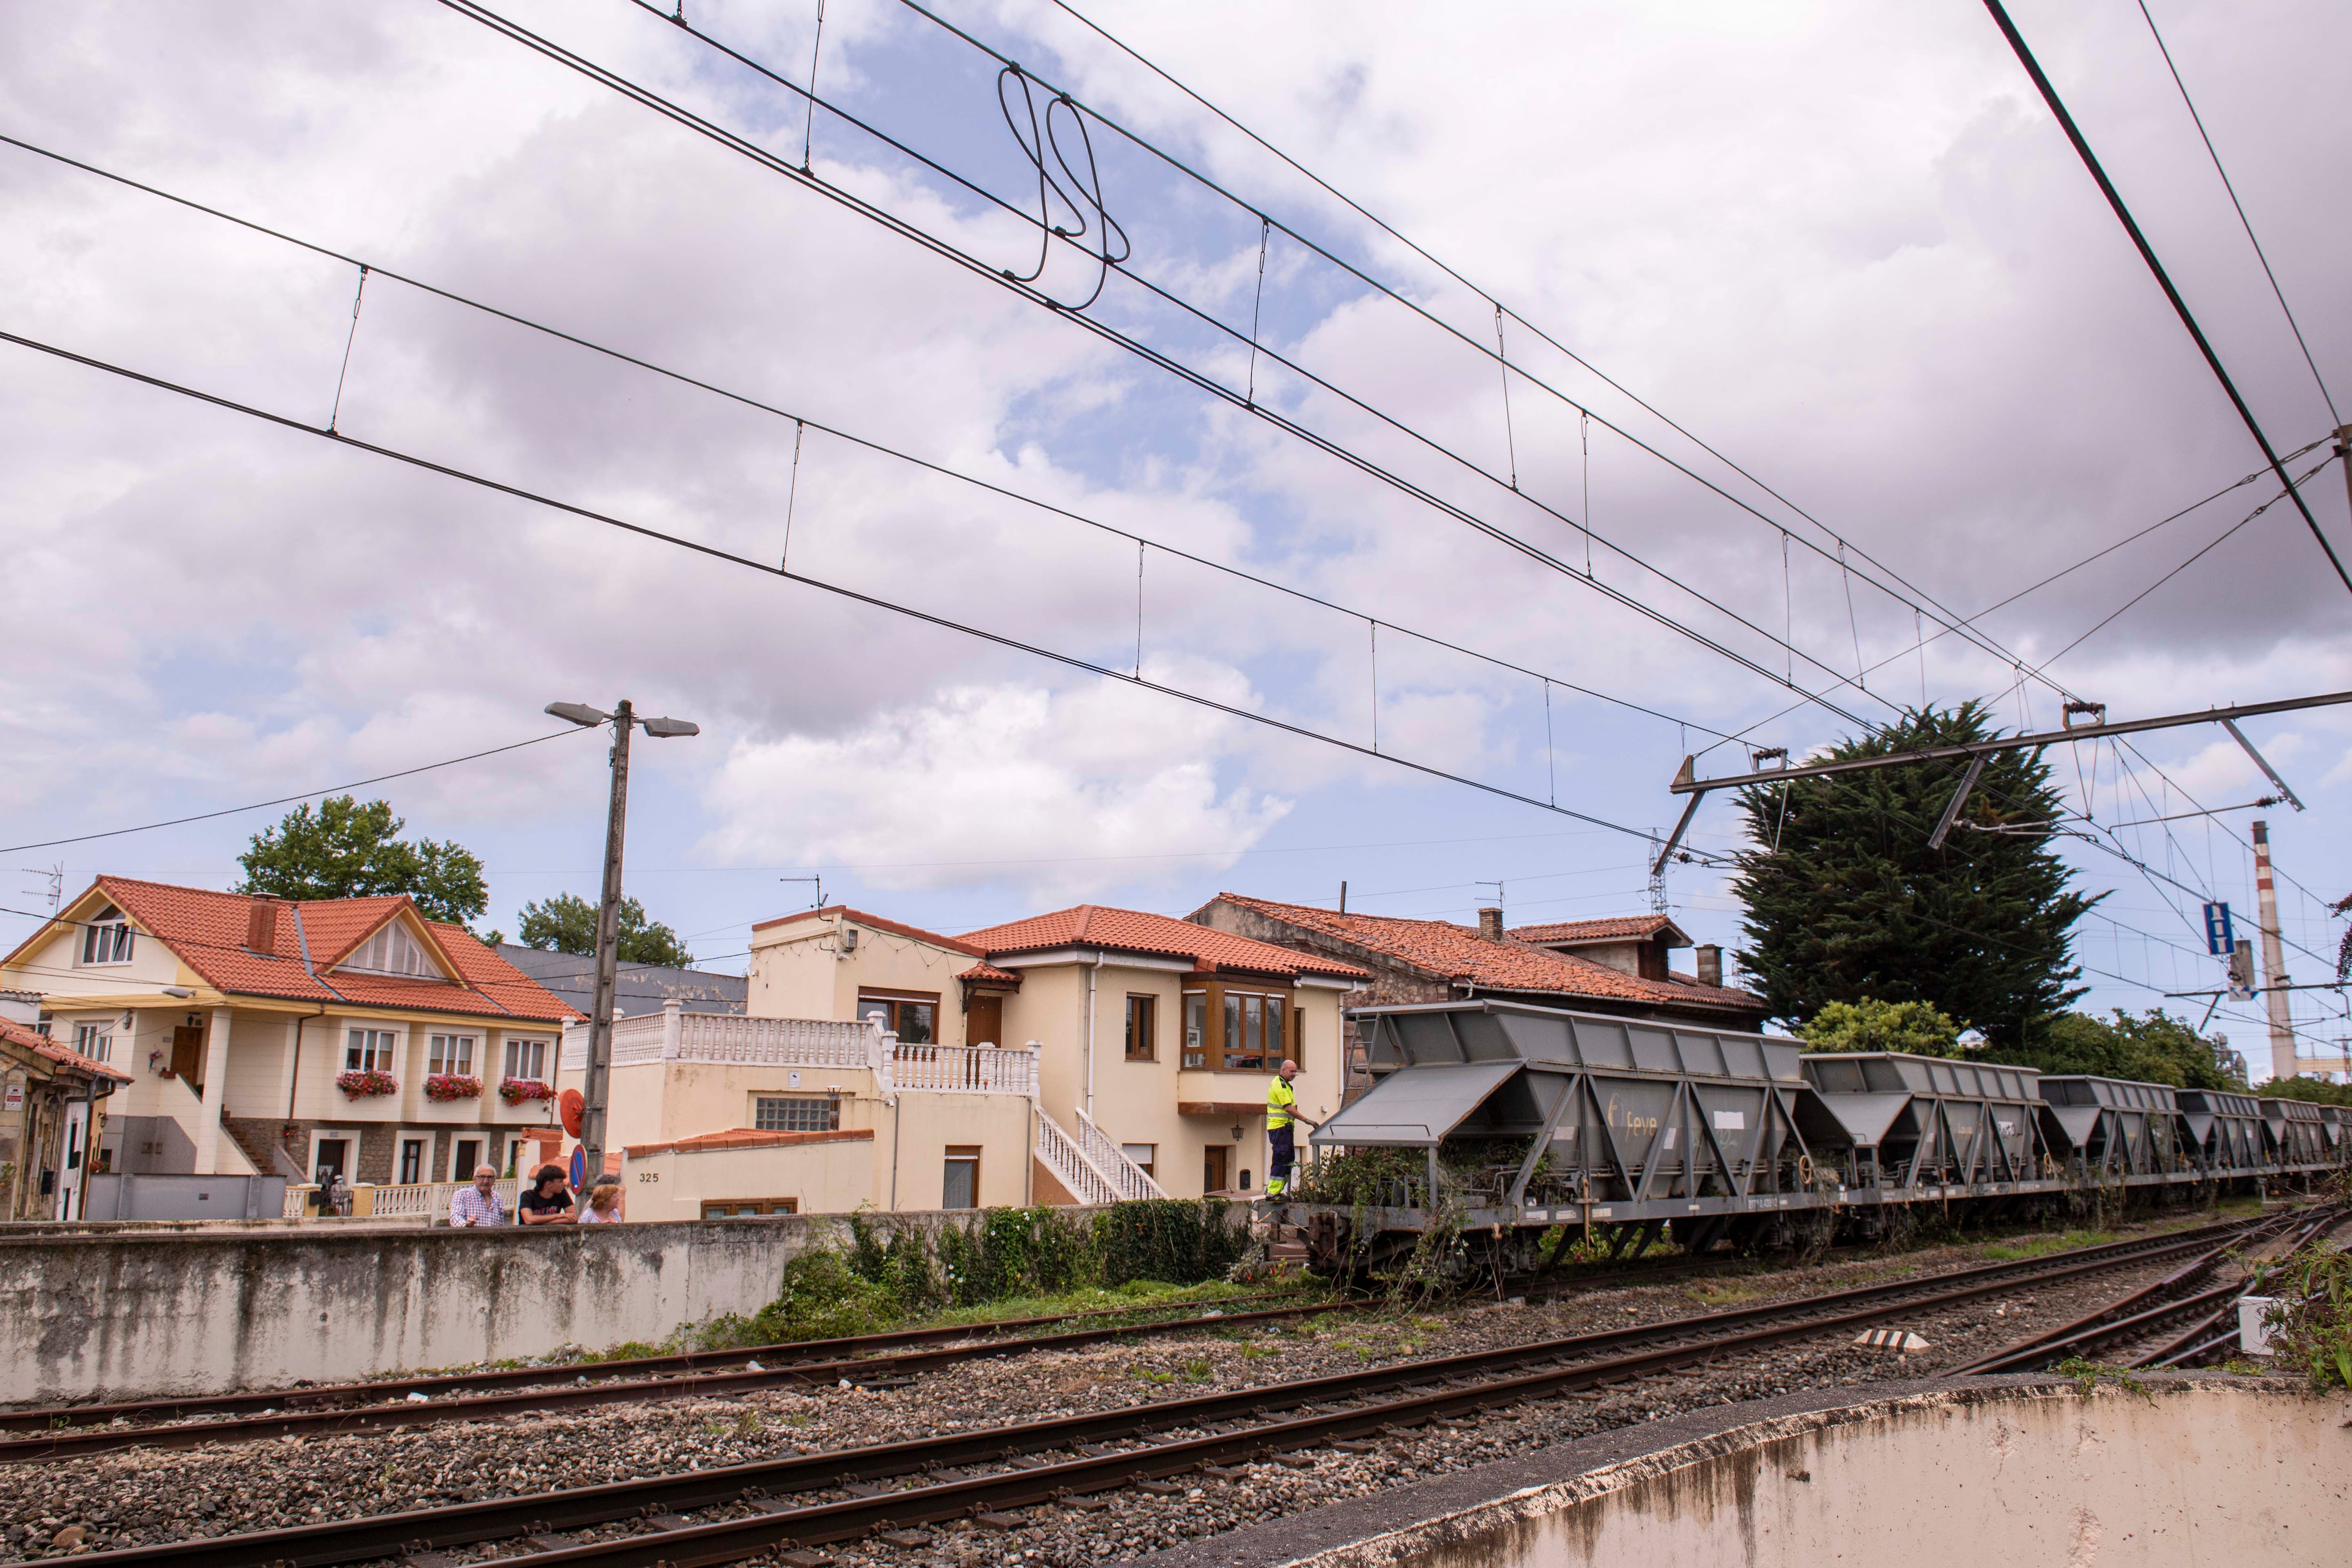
(1077,1174)
(431,1198)
(1132,1180)
(963,1070)
(730,1038)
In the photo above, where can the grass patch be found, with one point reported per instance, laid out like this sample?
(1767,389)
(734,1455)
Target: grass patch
(2022,1247)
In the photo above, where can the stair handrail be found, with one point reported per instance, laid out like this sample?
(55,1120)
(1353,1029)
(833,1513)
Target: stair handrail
(1132,1181)
(1069,1163)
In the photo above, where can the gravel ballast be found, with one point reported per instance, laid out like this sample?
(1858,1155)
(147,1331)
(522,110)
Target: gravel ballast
(139,1497)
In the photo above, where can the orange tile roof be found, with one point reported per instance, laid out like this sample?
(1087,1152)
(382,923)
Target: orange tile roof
(1615,927)
(748,1138)
(65,1056)
(989,974)
(207,931)
(1160,935)
(1457,953)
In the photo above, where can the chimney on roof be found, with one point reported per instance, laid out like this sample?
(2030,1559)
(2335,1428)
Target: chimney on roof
(261,925)
(1490,923)
(1710,964)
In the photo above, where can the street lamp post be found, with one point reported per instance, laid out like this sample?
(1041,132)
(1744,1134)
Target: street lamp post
(622,718)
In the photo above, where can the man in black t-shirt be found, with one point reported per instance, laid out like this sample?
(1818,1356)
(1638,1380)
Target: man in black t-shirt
(547,1201)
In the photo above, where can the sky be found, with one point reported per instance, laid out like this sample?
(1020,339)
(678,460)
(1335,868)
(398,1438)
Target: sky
(1817,332)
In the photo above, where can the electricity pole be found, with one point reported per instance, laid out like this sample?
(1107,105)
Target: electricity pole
(622,718)
(2274,959)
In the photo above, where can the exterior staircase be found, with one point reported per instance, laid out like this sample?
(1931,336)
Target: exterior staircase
(1089,1165)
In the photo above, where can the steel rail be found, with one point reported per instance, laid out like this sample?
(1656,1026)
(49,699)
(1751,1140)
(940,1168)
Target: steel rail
(1333,1410)
(2198,1339)
(425,1411)
(2034,1350)
(782,1353)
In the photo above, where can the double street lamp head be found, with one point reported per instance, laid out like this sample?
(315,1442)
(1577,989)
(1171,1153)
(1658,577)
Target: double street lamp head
(588,718)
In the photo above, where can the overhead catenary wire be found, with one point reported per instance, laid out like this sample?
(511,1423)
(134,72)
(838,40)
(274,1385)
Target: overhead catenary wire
(289,800)
(751,149)
(801,423)
(943,623)
(2164,280)
(2244,222)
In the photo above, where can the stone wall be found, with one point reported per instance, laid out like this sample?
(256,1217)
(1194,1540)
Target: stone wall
(139,1311)
(102,1313)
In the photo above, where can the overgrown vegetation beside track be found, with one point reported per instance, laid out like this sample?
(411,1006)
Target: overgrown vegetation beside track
(1003,1263)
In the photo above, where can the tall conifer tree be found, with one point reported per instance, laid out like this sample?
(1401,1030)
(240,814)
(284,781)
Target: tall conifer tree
(1845,900)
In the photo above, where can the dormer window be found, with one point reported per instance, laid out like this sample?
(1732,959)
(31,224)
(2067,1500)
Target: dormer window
(394,951)
(107,939)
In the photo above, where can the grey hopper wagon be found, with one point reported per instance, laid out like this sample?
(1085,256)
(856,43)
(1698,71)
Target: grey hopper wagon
(2106,1128)
(2223,1132)
(2332,1125)
(1901,1126)
(1542,1117)
(2293,1128)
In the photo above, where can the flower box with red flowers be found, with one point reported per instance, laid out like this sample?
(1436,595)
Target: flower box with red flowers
(361,1085)
(446,1086)
(519,1091)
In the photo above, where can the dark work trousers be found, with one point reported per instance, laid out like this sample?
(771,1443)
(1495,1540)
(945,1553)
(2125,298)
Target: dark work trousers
(1281,1153)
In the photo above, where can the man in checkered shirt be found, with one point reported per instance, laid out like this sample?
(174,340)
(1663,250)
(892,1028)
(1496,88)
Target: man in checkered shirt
(478,1204)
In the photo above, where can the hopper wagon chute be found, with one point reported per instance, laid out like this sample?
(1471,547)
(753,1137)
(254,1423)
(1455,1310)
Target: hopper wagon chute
(1522,1118)
(1904,1127)
(2222,1133)
(2294,1139)
(2112,1129)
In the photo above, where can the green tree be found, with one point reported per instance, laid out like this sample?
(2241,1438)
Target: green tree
(2317,1091)
(567,923)
(2153,1047)
(1845,901)
(345,850)
(1873,1025)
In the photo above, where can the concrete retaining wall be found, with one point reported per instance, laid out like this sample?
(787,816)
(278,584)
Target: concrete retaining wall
(2195,1471)
(146,1312)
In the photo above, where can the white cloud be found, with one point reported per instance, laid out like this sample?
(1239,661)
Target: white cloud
(1066,794)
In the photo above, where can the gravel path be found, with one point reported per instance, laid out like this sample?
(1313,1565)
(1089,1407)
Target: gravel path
(140,1497)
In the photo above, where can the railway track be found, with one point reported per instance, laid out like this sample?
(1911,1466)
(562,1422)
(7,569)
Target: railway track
(337,1409)
(2151,1308)
(750,1508)
(346,1394)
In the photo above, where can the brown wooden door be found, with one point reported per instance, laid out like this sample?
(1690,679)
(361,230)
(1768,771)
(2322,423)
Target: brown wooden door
(983,1021)
(188,1053)
(1215,1168)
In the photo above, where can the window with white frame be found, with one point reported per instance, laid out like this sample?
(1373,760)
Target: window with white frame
(527,1059)
(107,939)
(92,1040)
(393,951)
(368,1050)
(450,1053)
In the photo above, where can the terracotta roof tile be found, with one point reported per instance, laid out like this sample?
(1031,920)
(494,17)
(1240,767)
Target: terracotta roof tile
(1615,927)
(1458,953)
(989,974)
(747,1138)
(1160,935)
(207,931)
(65,1056)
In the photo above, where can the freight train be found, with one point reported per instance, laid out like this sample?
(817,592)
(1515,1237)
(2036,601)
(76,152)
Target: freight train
(1507,1126)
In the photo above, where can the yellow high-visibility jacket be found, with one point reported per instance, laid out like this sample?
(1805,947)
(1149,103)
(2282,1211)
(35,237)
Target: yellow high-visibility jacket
(1278,1103)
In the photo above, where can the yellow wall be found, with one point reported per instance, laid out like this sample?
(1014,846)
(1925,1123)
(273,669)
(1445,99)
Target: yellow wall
(799,971)
(827,1179)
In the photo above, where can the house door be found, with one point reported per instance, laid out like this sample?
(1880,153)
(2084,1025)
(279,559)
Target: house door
(1215,1168)
(983,1021)
(333,1161)
(188,1055)
(412,1161)
(469,1155)
(77,1135)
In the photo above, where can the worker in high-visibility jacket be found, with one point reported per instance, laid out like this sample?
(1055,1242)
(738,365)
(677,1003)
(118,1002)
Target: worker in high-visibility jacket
(1281,1114)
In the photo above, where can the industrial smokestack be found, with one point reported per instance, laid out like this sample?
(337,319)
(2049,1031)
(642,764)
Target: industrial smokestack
(1710,964)
(1490,923)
